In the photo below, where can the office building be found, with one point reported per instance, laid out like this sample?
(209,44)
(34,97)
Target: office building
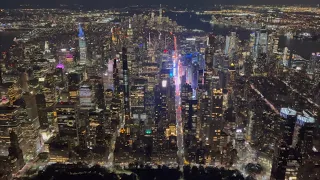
(67,122)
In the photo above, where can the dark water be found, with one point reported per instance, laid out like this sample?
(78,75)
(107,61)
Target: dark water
(192,21)
(6,39)
(302,47)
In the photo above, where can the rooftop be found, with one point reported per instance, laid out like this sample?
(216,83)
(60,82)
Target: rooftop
(288,111)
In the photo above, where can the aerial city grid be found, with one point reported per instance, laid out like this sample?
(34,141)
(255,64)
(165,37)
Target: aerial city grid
(160,92)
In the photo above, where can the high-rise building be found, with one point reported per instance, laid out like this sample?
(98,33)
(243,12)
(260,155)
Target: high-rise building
(286,163)
(217,103)
(186,94)
(303,134)
(67,122)
(15,152)
(42,111)
(160,15)
(191,129)
(82,47)
(46,47)
(96,118)
(285,56)
(99,96)
(205,118)
(289,119)
(126,90)
(314,66)
(138,91)
(231,45)
(116,80)
(30,126)
(86,96)
(11,118)
(130,31)
(260,43)
(208,69)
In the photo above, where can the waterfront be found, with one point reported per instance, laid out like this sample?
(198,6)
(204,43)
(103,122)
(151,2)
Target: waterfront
(192,21)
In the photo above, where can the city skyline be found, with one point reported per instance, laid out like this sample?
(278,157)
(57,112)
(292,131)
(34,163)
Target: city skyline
(99,4)
(160,93)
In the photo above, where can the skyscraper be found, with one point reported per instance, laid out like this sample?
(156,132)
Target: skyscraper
(85,95)
(82,47)
(160,15)
(126,89)
(260,43)
(67,122)
(42,111)
(303,134)
(314,66)
(230,47)
(130,31)
(11,117)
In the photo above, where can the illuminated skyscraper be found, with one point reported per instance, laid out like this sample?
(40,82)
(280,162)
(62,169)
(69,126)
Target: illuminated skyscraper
(160,15)
(231,42)
(126,92)
(85,94)
(209,63)
(42,111)
(82,47)
(129,31)
(260,43)
(11,119)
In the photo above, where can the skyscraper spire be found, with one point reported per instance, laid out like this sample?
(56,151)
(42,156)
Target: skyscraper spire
(160,15)
(81,33)
(82,46)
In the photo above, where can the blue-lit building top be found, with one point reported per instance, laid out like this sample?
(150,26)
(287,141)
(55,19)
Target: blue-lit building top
(305,118)
(287,112)
(81,33)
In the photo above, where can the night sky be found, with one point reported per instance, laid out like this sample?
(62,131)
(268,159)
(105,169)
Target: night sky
(123,3)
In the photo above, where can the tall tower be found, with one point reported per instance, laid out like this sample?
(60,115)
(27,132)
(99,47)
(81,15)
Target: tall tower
(46,47)
(160,15)
(82,47)
(15,152)
(130,32)
(115,76)
(126,84)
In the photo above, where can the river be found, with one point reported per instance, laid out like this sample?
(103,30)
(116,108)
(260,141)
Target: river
(6,39)
(192,21)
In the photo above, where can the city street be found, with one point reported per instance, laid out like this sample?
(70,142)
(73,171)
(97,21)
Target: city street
(179,123)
